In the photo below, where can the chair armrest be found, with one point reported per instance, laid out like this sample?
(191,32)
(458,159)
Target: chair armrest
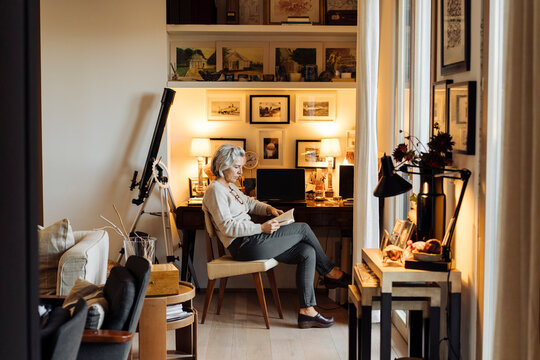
(55,300)
(86,259)
(106,336)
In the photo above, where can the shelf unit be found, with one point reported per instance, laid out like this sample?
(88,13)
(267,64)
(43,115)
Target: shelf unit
(251,85)
(262,30)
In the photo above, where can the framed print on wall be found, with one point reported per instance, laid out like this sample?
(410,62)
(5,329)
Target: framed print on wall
(340,57)
(222,106)
(291,57)
(455,36)
(308,155)
(316,107)
(462,115)
(187,58)
(439,106)
(279,10)
(215,143)
(271,147)
(244,57)
(340,12)
(269,109)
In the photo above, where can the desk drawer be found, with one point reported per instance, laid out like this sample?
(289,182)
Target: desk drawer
(190,219)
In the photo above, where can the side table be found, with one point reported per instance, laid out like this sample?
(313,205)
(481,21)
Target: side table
(153,326)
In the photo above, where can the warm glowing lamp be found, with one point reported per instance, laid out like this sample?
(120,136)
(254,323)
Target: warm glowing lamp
(200,148)
(330,149)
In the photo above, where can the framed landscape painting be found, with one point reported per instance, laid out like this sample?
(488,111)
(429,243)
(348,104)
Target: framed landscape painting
(279,10)
(225,107)
(269,109)
(340,57)
(308,154)
(244,57)
(291,57)
(316,107)
(187,58)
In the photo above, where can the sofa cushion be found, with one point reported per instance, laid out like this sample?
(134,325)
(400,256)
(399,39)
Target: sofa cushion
(97,304)
(54,240)
(119,291)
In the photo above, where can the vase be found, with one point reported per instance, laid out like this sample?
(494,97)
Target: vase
(431,205)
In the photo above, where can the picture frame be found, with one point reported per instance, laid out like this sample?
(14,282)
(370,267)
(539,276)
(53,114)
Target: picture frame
(288,57)
(270,147)
(384,240)
(251,12)
(193,182)
(439,106)
(396,232)
(455,36)
(215,143)
(315,107)
(278,11)
(187,58)
(340,12)
(308,155)
(407,230)
(462,116)
(269,109)
(350,136)
(341,57)
(245,57)
(225,106)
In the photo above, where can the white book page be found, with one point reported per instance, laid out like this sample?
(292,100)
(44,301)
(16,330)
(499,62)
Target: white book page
(286,218)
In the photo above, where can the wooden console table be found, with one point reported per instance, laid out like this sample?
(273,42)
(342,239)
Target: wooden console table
(153,326)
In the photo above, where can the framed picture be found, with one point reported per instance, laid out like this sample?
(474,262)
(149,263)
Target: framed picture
(340,12)
(251,12)
(396,232)
(455,36)
(269,109)
(439,106)
(308,155)
(279,10)
(194,190)
(271,147)
(223,106)
(215,143)
(250,58)
(340,57)
(187,58)
(291,57)
(462,115)
(316,107)
(405,234)
(351,138)
(384,240)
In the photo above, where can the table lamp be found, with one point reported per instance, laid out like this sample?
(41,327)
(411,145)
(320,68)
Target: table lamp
(330,149)
(200,148)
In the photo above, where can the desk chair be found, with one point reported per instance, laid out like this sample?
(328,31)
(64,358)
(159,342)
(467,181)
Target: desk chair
(224,267)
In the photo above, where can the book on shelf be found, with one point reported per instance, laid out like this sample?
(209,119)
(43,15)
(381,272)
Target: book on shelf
(296,23)
(298,18)
(286,218)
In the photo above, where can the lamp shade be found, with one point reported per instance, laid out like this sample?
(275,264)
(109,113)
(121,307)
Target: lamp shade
(200,147)
(330,148)
(390,183)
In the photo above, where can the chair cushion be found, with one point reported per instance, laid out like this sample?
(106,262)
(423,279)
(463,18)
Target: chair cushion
(225,266)
(57,317)
(54,240)
(119,291)
(97,304)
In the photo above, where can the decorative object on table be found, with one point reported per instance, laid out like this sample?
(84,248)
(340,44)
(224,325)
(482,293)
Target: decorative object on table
(243,77)
(393,253)
(250,58)
(279,10)
(318,107)
(268,77)
(269,109)
(384,240)
(196,191)
(294,56)
(254,77)
(295,77)
(251,12)
(228,106)
(340,12)
(163,280)
(210,75)
(232,15)
(405,234)
(271,147)
(317,178)
(326,76)
(455,36)
(190,57)
(200,148)
(340,59)
(310,72)
(462,115)
(229,76)
(439,106)
(308,155)
(330,149)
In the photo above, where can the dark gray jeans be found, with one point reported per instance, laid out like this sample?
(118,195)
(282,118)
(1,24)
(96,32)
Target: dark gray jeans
(291,244)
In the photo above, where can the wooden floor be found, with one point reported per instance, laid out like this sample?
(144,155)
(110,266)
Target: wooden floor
(239,331)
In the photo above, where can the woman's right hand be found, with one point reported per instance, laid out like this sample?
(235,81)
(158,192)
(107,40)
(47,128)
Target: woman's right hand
(270,226)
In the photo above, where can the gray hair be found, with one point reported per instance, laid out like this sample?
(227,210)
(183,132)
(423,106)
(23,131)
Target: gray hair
(225,157)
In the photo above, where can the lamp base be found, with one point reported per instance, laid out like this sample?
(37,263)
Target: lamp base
(429,266)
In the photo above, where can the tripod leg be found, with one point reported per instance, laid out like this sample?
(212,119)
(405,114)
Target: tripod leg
(192,273)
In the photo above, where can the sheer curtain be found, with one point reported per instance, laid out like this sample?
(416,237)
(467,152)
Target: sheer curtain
(517,315)
(366,210)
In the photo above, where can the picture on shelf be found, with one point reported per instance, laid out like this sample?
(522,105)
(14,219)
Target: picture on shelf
(316,107)
(308,154)
(195,190)
(271,147)
(225,106)
(341,12)
(290,58)
(251,12)
(187,58)
(340,58)
(269,109)
(280,10)
(250,58)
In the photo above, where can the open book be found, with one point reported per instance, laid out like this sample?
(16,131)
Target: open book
(286,218)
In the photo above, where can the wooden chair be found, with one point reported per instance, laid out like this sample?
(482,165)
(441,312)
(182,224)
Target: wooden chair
(223,267)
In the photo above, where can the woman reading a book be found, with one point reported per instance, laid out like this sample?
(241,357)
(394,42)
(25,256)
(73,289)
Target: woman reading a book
(296,243)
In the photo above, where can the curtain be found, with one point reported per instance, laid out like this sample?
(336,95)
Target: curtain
(517,323)
(365,214)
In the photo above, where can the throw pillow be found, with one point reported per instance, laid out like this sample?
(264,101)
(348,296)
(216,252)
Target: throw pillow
(97,304)
(54,240)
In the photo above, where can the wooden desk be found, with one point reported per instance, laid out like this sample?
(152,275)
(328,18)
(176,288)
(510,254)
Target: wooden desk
(190,218)
(388,275)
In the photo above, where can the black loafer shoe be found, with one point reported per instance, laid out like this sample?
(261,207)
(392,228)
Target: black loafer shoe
(306,322)
(343,282)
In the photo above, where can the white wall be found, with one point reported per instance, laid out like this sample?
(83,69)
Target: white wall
(104,67)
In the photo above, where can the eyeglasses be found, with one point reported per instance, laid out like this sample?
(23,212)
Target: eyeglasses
(236,196)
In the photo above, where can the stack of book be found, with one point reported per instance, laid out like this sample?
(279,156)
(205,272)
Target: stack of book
(176,312)
(297,20)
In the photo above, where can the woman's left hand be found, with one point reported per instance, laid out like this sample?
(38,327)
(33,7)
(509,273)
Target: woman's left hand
(273,211)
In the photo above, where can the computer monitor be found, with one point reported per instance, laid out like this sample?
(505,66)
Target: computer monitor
(281,185)
(346,181)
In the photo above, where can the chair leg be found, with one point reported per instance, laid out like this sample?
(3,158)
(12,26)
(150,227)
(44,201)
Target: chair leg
(208,298)
(260,293)
(275,294)
(222,286)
